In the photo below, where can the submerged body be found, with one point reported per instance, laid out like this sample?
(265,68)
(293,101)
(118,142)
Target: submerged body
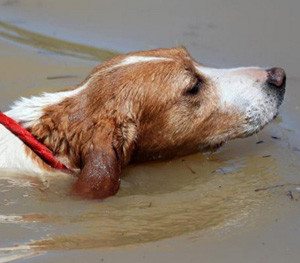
(142,106)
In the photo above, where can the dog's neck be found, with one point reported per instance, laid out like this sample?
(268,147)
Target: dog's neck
(56,120)
(65,125)
(54,125)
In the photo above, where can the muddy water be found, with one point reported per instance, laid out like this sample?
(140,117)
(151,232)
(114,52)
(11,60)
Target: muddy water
(220,199)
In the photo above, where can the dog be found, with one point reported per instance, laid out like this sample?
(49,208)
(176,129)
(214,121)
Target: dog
(142,106)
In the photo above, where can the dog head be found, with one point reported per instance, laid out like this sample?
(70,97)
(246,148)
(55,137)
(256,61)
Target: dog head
(166,104)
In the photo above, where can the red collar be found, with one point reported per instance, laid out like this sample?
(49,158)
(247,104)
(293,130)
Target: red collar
(40,149)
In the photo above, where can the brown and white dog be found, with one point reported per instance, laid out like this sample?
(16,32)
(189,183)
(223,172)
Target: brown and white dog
(142,106)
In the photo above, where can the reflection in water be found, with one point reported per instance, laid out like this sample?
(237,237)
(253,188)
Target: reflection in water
(53,44)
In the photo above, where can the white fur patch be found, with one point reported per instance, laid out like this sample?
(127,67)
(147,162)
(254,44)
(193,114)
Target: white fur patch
(244,89)
(141,59)
(235,87)
(28,110)
(13,155)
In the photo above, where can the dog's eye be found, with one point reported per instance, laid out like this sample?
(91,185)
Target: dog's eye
(195,89)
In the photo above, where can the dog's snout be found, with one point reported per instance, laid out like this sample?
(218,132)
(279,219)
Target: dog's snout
(276,77)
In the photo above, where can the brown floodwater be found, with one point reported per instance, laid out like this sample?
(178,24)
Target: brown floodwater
(239,203)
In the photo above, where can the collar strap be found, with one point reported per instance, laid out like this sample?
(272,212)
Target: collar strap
(28,139)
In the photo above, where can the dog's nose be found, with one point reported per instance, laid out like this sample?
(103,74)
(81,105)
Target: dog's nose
(276,77)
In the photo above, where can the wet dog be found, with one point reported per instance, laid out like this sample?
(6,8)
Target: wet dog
(142,106)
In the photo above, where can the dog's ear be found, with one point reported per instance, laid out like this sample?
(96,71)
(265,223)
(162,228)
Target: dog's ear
(101,167)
